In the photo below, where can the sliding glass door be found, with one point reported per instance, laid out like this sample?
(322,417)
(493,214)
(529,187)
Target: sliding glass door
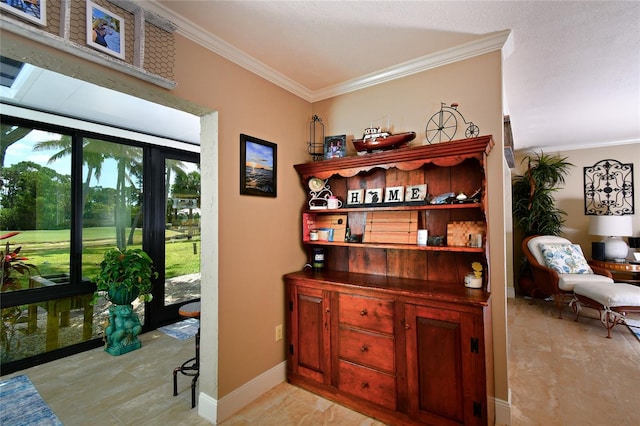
(176,245)
(65,197)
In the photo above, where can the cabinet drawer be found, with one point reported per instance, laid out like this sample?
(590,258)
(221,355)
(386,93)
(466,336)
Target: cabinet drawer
(368,384)
(373,350)
(366,312)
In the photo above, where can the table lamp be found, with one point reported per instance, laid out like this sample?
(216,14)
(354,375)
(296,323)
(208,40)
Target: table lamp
(613,227)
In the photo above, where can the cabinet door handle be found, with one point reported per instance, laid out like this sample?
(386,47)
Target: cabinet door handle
(407,326)
(364,348)
(364,385)
(327,310)
(363,312)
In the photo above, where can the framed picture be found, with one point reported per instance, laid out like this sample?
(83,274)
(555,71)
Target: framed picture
(105,30)
(258,167)
(31,10)
(335,146)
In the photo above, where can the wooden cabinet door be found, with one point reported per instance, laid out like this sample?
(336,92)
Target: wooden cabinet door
(309,330)
(442,358)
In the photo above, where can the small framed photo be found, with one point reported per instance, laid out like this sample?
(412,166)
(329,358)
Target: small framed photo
(31,10)
(105,30)
(335,146)
(258,167)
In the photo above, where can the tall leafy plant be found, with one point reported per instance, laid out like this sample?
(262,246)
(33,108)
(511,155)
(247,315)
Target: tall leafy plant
(534,208)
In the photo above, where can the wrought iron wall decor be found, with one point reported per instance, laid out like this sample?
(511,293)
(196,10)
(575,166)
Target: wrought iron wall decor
(608,188)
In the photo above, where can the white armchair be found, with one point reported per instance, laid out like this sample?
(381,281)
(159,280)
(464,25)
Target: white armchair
(557,266)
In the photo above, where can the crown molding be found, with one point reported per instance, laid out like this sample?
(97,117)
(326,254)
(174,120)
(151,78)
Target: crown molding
(483,45)
(575,147)
(489,43)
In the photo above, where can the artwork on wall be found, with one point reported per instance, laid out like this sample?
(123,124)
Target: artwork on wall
(105,30)
(31,10)
(335,146)
(608,188)
(258,167)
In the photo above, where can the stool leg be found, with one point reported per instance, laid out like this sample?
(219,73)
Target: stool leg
(175,381)
(193,390)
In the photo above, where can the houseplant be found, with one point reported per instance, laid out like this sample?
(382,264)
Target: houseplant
(534,209)
(12,269)
(123,276)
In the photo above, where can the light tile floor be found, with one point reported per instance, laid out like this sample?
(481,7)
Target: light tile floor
(560,373)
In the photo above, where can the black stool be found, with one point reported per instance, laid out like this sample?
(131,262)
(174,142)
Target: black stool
(190,367)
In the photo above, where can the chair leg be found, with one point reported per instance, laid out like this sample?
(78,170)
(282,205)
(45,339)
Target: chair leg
(558,300)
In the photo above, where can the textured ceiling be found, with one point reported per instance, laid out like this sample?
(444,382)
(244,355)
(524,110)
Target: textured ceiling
(571,71)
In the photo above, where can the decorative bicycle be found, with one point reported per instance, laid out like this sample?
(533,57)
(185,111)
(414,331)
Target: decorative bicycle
(443,125)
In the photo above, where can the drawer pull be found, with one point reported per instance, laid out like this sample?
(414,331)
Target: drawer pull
(364,385)
(364,348)
(363,312)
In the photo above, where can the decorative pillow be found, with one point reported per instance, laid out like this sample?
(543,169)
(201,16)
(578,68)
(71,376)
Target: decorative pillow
(565,258)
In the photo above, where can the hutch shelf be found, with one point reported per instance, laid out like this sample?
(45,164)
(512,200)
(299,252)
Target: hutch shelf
(388,328)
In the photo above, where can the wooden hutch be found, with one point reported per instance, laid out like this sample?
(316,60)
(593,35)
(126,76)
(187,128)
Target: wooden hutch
(387,328)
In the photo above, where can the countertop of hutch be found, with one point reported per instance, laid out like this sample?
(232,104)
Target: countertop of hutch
(414,288)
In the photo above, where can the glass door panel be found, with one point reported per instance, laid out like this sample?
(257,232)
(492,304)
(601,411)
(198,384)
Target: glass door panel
(182,231)
(111,207)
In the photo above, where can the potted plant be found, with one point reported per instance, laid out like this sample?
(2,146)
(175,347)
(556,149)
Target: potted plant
(123,276)
(474,280)
(13,272)
(534,209)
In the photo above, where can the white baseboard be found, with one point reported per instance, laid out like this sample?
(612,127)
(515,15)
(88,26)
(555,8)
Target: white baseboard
(503,411)
(208,408)
(217,411)
(511,292)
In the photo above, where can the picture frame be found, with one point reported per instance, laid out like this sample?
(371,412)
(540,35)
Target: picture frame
(31,10)
(105,30)
(335,146)
(258,167)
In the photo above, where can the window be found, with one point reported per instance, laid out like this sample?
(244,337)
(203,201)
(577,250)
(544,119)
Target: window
(65,197)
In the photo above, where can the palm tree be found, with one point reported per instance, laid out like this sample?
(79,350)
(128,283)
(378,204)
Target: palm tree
(95,152)
(10,135)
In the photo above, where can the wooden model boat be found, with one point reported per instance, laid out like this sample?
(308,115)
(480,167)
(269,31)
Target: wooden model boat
(375,139)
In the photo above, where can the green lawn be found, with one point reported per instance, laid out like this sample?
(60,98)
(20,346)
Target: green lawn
(49,251)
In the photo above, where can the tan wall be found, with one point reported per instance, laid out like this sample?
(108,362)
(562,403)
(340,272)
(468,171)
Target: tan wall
(258,237)
(570,198)
(476,84)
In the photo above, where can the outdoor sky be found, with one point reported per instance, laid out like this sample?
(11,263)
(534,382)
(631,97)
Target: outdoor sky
(22,150)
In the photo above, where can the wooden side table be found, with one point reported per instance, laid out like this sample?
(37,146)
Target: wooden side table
(622,272)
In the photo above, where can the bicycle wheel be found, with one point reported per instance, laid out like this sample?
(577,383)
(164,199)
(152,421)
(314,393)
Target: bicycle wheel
(441,126)
(473,131)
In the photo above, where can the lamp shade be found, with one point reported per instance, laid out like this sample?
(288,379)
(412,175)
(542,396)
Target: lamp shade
(615,226)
